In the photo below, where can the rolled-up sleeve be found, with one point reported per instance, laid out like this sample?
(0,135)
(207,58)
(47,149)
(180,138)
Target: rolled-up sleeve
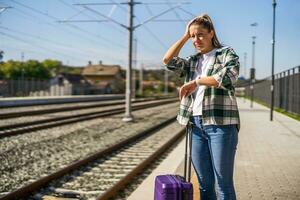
(228,74)
(178,65)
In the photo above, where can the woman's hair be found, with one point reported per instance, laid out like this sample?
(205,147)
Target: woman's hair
(205,21)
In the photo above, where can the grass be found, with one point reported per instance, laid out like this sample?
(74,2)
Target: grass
(280,110)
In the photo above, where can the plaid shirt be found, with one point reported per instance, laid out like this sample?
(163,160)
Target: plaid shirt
(219,103)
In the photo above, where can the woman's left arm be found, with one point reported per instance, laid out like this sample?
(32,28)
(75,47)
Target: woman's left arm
(188,88)
(225,78)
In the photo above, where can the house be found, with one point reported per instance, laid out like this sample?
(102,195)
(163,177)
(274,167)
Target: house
(153,85)
(105,77)
(69,84)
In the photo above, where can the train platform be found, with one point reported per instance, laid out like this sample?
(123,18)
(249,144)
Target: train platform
(267,164)
(42,100)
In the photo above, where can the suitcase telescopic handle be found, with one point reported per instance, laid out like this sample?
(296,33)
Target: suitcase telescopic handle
(187,156)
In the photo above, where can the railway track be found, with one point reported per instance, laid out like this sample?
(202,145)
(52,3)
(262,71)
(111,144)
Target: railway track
(103,174)
(55,100)
(63,108)
(25,127)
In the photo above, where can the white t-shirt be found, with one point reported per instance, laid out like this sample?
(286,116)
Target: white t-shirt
(201,71)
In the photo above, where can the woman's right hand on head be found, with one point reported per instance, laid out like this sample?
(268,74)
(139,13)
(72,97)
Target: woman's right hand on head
(187,32)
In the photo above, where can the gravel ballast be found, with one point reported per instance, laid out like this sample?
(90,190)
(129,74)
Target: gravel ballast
(34,155)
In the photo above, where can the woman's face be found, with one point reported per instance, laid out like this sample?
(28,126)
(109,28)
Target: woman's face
(201,38)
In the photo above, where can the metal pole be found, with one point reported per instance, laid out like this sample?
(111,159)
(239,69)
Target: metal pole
(134,69)
(245,65)
(22,73)
(252,72)
(141,80)
(273,52)
(166,82)
(245,72)
(128,116)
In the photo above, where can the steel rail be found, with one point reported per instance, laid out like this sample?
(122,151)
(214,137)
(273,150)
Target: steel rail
(11,130)
(139,169)
(57,110)
(83,100)
(28,189)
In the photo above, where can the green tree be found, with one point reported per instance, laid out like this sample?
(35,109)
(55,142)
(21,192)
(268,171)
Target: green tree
(11,69)
(30,69)
(53,66)
(1,70)
(1,54)
(35,69)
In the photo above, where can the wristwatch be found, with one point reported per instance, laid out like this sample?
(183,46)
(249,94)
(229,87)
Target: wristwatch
(197,83)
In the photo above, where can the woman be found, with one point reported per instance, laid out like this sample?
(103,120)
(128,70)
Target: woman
(209,103)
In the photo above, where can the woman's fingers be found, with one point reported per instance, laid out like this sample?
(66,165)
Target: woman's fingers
(187,89)
(180,93)
(187,34)
(183,91)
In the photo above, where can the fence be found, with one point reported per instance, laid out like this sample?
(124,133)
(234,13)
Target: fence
(36,87)
(286,90)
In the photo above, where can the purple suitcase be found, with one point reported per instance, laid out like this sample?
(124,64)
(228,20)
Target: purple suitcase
(172,187)
(175,187)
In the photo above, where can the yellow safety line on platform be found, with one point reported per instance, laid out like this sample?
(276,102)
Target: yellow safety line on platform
(195,187)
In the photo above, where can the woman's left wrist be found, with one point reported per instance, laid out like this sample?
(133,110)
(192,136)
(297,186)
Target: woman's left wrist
(197,82)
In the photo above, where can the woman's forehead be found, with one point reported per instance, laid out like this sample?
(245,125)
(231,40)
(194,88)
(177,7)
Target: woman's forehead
(197,28)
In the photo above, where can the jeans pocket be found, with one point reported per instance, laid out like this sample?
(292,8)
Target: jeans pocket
(220,129)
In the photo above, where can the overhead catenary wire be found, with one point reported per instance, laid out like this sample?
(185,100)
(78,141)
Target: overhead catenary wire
(25,50)
(141,23)
(147,29)
(37,37)
(68,47)
(193,15)
(33,44)
(90,17)
(128,116)
(63,28)
(162,44)
(176,14)
(153,35)
(33,18)
(104,39)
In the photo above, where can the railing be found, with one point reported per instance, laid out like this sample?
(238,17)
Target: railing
(286,90)
(36,87)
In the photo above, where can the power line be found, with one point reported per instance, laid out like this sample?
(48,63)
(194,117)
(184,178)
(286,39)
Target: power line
(63,29)
(148,9)
(70,25)
(176,14)
(147,29)
(24,50)
(62,45)
(33,44)
(3,8)
(35,19)
(193,15)
(155,37)
(72,7)
(128,116)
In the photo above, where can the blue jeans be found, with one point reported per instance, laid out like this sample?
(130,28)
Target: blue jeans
(213,152)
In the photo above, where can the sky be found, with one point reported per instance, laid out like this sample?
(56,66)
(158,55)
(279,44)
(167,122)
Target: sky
(50,29)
